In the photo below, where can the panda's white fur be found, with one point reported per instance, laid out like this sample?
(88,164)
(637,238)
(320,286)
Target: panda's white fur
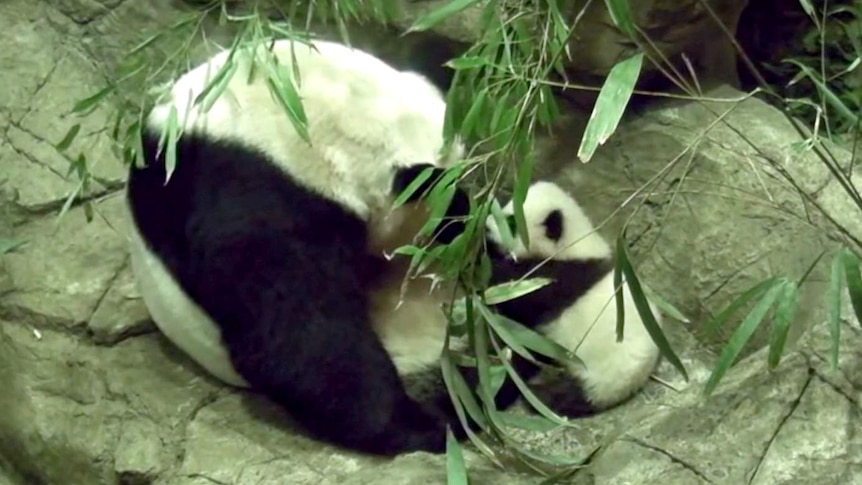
(587,323)
(226,216)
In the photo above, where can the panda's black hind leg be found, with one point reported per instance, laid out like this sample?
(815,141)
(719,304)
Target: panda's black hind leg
(297,330)
(348,393)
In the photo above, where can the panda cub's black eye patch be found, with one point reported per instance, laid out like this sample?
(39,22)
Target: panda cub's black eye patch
(554,225)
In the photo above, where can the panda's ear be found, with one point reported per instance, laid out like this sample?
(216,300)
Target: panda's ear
(554,225)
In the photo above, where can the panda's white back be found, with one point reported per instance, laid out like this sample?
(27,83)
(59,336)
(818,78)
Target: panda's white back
(364,117)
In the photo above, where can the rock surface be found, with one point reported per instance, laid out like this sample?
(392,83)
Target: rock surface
(92,394)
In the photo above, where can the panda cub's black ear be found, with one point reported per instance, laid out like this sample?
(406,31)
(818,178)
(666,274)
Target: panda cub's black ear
(554,225)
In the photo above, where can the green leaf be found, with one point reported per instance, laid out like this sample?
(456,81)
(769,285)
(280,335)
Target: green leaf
(511,341)
(854,283)
(741,336)
(828,95)
(498,377)
(835,302)
(173,131)
(468,124)
(463,399)
(610,105)
(665,306)
(420,179)
(69,138)
(281,85)
(621,15)
(517,337)
(644,310)
(466,62)
(538,424)
(501,222)
(69,200)
(808,8)
(511,290)
(87,103)
(483,364)
(456,470)
(619,295)
(529,396)
(785,311)
(216,86)
(436,16)
(9,245)
(461,391)
(754,292)
(523,174)
(88,210)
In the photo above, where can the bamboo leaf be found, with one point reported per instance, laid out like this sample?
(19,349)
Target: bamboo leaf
(530,397)
(665,306)
(644,310)
(522,184)
(460,390)
(538,424)
(835,302)
(621,15)
(466,62)
(91,101)
(456,470)
(9,245)
(517,337)
(610,105)
(511,341)
(511,290)
(854,283)
(741,336)
(68,138)
(785,311)
(408,191)
(468,124)
(171,150)
(753,292)
(619,295)
(504,230)
(436,16)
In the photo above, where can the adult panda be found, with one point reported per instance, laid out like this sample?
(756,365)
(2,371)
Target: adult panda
(577,310)
(256,256)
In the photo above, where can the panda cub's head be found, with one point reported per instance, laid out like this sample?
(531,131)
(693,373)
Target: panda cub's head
(557,228)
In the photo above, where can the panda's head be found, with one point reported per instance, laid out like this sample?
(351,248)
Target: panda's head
(556,225)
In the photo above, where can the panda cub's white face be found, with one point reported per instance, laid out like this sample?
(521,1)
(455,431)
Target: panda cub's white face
(556,225)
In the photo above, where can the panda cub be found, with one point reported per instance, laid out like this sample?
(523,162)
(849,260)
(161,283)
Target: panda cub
(577,310)
(257,255)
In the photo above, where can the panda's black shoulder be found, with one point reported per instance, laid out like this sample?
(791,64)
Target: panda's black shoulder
(224,189)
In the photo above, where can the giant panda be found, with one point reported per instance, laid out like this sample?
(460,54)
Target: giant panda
(578,309)
(256,257)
